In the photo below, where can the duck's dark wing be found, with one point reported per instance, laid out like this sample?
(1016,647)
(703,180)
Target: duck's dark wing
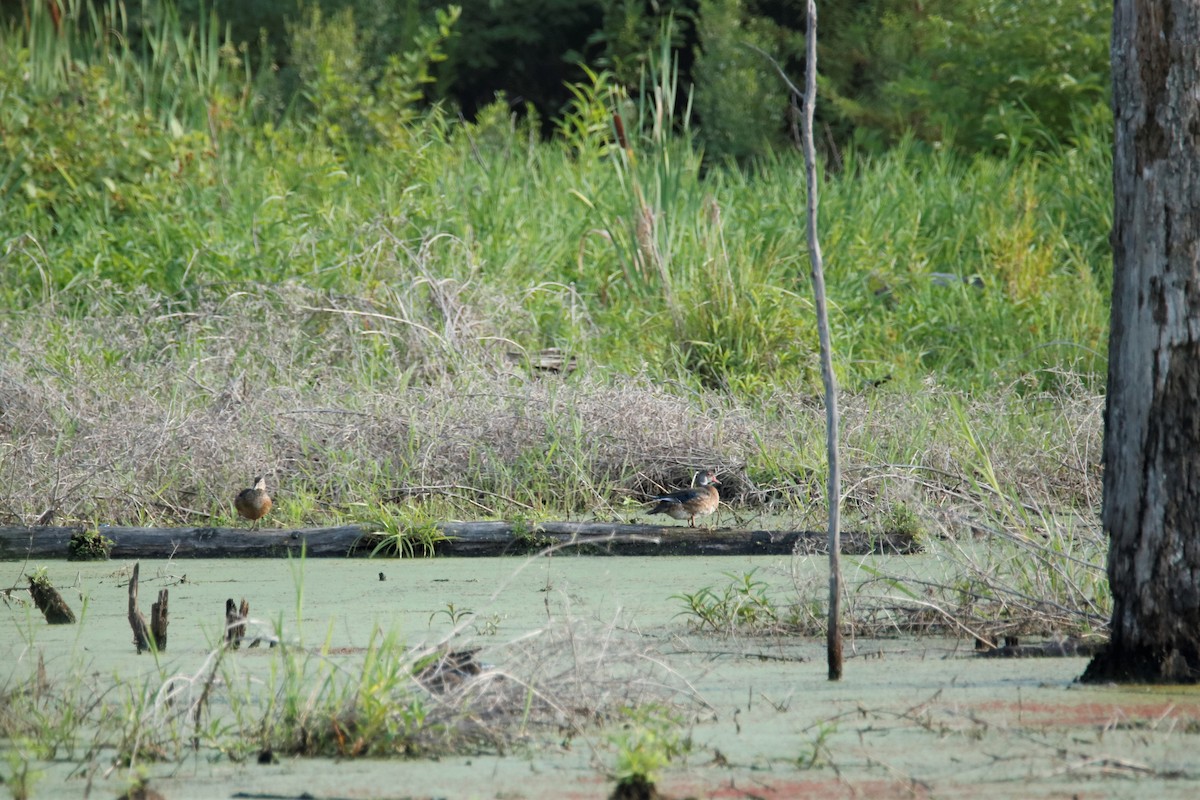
(682,496)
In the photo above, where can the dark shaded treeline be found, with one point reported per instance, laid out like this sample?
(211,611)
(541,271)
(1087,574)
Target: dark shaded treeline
(978,74)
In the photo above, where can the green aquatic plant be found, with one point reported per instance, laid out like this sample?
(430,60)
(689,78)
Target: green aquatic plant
(649,739)
(741,605)
(453,613)
(902,520)
(19,777)
(406,532)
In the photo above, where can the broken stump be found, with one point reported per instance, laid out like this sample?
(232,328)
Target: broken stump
(49,601)
(235,622)
(159,620)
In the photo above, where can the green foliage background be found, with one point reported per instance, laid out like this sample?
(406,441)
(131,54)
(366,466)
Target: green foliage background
(162,159)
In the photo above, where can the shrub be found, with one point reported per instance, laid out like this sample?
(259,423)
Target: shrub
(983,75)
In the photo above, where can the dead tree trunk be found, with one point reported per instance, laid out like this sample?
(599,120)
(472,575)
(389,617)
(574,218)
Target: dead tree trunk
(1152,426)
(235,622)
(141,634)
(159,621)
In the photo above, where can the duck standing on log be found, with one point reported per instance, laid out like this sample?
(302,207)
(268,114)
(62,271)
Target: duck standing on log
(699,501)
(254,503)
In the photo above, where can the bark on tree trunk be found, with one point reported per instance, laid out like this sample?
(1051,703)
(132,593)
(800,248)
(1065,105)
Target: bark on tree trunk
(137,620)
(1152,420)
(159,620)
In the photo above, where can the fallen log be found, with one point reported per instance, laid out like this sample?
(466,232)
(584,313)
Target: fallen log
(454,539)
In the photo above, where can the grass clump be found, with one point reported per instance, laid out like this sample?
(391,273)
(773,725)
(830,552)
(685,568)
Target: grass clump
(406,533)
(375,710)
(900,519)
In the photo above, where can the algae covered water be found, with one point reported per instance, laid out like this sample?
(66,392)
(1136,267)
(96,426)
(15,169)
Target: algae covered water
(746,715)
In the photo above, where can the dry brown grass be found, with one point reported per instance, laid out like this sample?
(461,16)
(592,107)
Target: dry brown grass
(565,680)
(159,417)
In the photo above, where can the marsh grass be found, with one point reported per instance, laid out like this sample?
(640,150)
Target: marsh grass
(360,321)
(642,257)
(1008,509)
(1012,568)
(1044,580)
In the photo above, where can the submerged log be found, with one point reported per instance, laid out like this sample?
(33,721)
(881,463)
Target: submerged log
(455,539)
(1071,646)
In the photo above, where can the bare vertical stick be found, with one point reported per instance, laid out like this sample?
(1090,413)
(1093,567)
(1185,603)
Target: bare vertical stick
(833,635)
(141,636)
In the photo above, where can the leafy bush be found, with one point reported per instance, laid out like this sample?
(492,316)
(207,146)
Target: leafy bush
(982,75)
(350,101)
(740,101)
(160,113)
(638,257)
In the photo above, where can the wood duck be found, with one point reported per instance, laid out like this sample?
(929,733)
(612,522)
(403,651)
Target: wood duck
(698,501)
(254,503)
